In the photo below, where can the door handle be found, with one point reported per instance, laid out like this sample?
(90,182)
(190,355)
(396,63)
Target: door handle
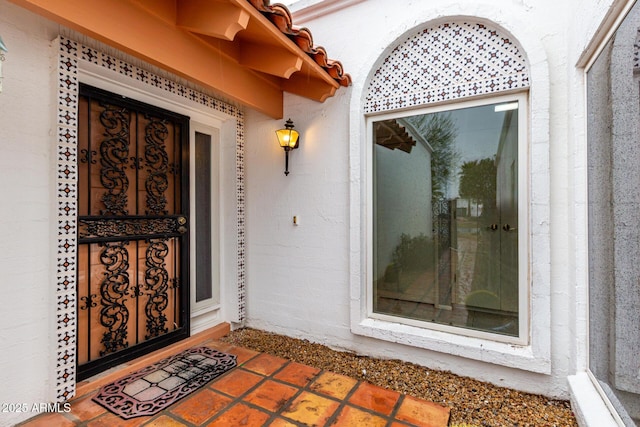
(492,227)
(507,227)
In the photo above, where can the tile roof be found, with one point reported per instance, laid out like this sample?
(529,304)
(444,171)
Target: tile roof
(280,16)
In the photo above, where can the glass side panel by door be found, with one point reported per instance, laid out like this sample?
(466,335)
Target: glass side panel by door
(445,222)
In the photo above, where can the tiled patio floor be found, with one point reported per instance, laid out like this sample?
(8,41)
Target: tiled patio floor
(265,390)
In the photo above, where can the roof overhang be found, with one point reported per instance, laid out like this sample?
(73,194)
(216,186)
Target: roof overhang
(391,134)
(245,50)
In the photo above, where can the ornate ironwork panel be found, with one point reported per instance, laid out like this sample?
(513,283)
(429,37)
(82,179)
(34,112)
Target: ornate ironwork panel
(442,222)
(114,155)
(132,229)
(157,161)
(96,228)
(157,287)
(114,290)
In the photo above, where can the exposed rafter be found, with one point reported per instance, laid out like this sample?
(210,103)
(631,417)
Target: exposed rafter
(390,134)
(218,19)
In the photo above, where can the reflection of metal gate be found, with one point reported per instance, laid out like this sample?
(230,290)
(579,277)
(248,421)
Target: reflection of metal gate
(132,229)
(444,234)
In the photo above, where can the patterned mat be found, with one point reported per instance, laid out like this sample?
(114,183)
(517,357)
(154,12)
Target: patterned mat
(152,389)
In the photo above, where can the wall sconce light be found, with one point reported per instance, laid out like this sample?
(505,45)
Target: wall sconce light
(289,139)
(3,49)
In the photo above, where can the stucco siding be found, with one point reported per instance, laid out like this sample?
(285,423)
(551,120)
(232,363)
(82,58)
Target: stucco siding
(27,144)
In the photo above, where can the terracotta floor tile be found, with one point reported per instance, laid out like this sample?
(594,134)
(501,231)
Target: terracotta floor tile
(265,364)
(84,408)
(264,396)
(240,415)
(375,398)
(220,346)
(311,409)
(297,374)
(48,420)
(199,407)
(350,416)
(236,382)
(271,395)
(279,422)
(422,413)
(112,420)
(164,421)
(242,354)
(334,385)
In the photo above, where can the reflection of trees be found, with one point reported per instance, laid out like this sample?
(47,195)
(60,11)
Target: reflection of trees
(411,252)
(478,181)
(440,131)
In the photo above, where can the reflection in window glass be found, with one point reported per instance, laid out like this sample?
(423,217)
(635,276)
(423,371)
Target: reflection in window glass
(446,217)
(613,108)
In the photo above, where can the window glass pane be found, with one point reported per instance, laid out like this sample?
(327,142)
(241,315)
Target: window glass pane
(204,290)
(446,217)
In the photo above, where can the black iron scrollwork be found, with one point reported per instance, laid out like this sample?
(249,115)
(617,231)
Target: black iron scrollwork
(96,228)
(131,230)
(157,162)
(442,222)
(136,162)
(114,155)
(114,289)
(87,156)
(174,169)
(157,284)
(88,302)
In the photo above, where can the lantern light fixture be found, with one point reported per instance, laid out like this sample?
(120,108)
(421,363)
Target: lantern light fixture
(289,139)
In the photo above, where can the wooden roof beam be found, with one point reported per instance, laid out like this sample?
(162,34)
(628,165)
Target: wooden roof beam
(218,19)
(130,28)
(310,87)
(275,61)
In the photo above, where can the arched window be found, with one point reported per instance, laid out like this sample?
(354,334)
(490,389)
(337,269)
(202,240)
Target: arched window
(448,239)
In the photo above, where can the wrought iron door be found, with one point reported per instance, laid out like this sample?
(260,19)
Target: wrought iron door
(132,229)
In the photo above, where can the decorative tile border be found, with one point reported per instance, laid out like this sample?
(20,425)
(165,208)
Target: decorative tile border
(444,63)
(70,56)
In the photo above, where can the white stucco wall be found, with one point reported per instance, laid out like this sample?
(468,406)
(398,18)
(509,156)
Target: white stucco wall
(299,277)
(27,270)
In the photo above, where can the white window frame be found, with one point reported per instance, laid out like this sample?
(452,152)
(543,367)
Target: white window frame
(211,304)
(524,276)
(532,357)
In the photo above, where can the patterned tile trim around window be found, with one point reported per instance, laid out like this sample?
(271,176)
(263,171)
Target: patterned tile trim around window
(445,63)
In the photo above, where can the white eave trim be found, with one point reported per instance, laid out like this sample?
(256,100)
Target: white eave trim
(307,10)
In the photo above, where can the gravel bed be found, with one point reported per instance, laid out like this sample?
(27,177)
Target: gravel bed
(472,402)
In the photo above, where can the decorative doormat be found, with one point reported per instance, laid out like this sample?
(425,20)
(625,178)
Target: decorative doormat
(152,389)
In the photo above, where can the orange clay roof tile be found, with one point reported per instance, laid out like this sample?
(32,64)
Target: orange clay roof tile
(280,16)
